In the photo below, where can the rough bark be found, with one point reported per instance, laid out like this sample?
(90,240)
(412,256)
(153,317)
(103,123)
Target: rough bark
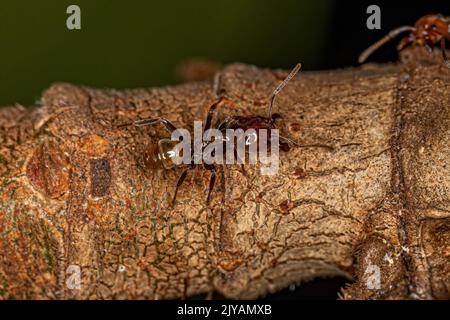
(74,192)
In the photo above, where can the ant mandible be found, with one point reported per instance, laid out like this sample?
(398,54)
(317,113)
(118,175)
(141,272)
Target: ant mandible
(428,31)
(158,156)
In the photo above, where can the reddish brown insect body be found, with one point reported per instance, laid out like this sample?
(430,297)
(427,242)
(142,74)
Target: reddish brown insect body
(428,31)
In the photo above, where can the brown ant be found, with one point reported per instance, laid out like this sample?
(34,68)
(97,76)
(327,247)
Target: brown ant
(428,31)
(158,156)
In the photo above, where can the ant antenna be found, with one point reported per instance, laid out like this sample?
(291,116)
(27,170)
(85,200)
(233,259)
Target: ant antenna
(391,35)
(281,86)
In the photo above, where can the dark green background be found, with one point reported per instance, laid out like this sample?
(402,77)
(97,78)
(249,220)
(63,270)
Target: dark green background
(140,43)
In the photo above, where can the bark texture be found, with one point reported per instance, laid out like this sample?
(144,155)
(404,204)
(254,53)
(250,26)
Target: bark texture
(74,193)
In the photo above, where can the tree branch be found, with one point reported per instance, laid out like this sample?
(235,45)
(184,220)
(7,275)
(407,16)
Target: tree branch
(74,191)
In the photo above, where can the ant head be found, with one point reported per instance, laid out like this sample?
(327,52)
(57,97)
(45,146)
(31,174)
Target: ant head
(430,29)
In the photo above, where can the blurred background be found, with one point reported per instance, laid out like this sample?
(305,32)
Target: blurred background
(127,44)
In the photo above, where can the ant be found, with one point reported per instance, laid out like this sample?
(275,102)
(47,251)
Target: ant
(428,31)
(158,155)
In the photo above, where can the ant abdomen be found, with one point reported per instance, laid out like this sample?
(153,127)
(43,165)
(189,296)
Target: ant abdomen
(160,155)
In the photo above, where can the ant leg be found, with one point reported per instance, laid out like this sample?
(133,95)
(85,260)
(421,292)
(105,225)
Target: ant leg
(429,45)
(212,182)
(281,86)
(238,159)
(226,123)
(222,184)
(223,126)
(404,42)
(444,53)
(296,144)
(222,178)
(212,108)
(275,117)
(179,183)
(391,35)
(170,127)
